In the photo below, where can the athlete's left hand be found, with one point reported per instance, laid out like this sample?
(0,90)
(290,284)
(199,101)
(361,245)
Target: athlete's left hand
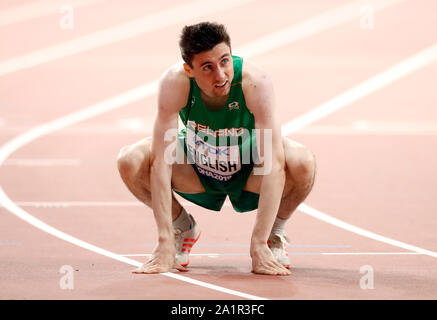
(263,261)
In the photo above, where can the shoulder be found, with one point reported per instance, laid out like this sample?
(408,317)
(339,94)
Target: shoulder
(175,75)
(257,87)
(252,76)
(175,80)
(174,88)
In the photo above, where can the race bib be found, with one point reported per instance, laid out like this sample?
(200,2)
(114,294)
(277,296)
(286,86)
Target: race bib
(217,162)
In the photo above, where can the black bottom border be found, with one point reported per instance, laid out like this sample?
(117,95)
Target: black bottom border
(220,309)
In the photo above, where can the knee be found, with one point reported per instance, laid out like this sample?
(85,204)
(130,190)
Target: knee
(130,160)
(301,162)
(307,162)
(124,161)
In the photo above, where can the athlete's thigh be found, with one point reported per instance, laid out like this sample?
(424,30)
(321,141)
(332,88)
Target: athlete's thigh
(184,178)
(254,181)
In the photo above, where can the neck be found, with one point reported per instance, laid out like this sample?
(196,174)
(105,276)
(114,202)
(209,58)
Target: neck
(214,102)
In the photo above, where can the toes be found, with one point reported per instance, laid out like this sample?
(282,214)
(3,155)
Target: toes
(180,267)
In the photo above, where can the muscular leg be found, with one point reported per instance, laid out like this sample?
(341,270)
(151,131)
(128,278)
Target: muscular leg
(134,167)
(300,166)
(300,169)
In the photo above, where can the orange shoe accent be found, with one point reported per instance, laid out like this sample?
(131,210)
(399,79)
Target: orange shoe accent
(193,240)
(189,245)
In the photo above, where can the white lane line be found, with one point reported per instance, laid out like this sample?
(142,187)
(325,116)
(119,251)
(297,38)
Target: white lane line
(42,162)
(420,60)
(151,88)
(246,245)
(149,23)
(84,114)
(8,204)
(312,26)
(87,130)
(381,80)
(365,233)
(372,128)
(71,204)
(38,9)
(355,128)
(360,253)
(214,255)
(138,125)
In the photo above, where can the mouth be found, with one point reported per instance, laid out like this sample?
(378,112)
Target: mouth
(221,85)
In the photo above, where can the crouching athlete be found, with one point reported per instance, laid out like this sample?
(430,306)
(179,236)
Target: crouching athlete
(227,107)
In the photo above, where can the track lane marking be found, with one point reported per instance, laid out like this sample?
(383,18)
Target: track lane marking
(134,28)
(386,128)
(365,233)
(71,204)
(312,26)
(48,162)
(38,9)
(377,82)
(381,80)
(289,253)
(8,204)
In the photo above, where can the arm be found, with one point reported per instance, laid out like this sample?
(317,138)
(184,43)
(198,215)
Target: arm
(171,98)
(172,95)
(259,95)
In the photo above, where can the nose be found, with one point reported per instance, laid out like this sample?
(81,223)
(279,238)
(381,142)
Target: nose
(220,75)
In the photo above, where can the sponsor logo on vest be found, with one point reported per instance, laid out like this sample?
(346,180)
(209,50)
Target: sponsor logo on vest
(222,157)
(233,132)
(234,105)
(217,162)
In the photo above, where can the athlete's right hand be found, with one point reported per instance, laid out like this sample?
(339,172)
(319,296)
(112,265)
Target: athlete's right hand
(162,260)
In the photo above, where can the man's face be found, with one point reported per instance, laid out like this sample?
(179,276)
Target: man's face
(213,70)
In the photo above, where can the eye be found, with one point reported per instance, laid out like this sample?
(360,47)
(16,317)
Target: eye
(225,60)
(207,68)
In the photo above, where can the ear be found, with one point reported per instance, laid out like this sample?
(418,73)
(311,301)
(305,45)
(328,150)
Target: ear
(188,70)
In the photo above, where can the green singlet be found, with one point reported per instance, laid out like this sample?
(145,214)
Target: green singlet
(218,144)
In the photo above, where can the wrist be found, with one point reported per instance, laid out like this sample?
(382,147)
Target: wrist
(258,241)
(166,238)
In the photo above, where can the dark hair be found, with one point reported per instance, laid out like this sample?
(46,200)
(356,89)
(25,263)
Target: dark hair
(201,37)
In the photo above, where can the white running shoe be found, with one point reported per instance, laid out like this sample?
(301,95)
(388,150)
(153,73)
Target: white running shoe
(278,245)
(184,241)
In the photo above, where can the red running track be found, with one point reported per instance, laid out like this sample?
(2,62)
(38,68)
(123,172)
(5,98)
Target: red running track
(375,157)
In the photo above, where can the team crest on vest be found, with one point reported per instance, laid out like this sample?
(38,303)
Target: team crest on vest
(234,105)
